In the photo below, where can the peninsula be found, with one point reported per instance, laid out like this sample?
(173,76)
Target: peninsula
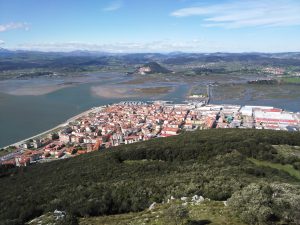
(130,122)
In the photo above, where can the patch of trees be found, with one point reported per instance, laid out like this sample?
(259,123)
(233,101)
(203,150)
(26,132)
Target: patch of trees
(207,71)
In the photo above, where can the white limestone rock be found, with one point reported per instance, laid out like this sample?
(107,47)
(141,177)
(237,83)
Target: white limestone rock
(152,206)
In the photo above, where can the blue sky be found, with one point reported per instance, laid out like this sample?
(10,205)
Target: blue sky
(151,25)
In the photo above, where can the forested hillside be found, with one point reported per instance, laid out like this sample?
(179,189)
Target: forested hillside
(245,167)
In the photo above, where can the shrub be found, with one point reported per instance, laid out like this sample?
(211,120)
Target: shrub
(264,203)
(176,214)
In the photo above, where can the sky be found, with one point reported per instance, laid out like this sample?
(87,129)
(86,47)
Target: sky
(151,25)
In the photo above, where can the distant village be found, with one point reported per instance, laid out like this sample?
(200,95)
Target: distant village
(130,122)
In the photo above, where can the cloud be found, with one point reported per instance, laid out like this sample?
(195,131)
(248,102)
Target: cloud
(13,26)
(2,42)
(113,6)
(247,13)
(203,45)
(126,47)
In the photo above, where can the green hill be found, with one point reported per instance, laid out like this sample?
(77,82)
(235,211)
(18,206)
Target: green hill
(216,164)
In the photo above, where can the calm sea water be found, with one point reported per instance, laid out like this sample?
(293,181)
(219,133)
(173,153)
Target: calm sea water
(25,116)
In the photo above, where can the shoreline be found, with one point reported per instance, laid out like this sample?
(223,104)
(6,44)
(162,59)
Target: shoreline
(93,109)
(17,144)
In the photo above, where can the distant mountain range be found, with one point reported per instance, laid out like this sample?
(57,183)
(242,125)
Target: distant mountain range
(4,51)
(147,63)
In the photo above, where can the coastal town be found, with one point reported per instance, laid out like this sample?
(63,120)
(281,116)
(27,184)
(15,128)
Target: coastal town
(129,122)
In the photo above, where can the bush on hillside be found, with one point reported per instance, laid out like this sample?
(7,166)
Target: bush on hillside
(263,203)
(176,215)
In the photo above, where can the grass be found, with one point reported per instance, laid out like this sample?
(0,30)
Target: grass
(208,212)
(291,80)
(154,90)
(213,211)
(287,151)
(285,168)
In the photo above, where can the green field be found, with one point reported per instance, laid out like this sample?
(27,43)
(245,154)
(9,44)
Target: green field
(291,80)
(288,151)
(285,168)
